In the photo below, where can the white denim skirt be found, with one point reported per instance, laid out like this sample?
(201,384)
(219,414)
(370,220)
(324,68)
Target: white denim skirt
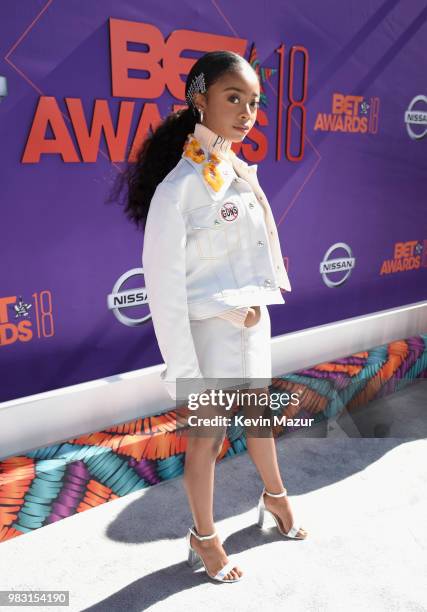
(227,353)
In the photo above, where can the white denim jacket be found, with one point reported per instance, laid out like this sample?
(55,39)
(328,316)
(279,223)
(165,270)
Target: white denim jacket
(210,244)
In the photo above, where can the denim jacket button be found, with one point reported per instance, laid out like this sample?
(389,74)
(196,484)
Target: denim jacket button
(267,282)
(260,243)
(251,204)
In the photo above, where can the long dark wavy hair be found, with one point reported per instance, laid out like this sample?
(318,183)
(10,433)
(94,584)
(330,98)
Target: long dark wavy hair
(161,151)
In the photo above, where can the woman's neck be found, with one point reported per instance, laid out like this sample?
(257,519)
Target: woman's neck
(212,142)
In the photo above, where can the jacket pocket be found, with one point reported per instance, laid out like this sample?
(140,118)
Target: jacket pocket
(216,229)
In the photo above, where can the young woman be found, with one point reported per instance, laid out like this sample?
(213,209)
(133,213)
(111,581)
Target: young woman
(212,263)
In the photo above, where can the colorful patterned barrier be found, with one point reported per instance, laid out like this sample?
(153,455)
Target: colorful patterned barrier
(54,482)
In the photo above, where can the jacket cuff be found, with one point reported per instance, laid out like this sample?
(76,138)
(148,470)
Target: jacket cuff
(236,316)
(180,389)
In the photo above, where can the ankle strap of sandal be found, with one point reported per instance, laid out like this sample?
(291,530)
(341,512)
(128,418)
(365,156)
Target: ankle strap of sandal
(285,492)
(199,537)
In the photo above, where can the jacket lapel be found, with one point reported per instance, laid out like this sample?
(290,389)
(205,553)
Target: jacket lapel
(216,178)
(249,174)
(217,174)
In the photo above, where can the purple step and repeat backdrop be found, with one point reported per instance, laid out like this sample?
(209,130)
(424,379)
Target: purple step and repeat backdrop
(341,143)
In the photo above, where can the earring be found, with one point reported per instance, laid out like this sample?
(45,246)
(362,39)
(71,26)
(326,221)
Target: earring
(201,115)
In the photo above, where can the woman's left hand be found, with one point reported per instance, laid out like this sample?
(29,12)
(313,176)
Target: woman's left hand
(253,316)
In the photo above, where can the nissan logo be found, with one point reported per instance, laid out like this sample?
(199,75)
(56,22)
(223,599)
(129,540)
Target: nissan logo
(119,299)
(333,265)
(416,117)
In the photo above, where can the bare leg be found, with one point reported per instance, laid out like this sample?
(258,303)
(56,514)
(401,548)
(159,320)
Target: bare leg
(199,472)
(262,450)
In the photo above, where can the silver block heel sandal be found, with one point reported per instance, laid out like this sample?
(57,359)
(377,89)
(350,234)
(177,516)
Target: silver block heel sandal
(194,557)
(262,510)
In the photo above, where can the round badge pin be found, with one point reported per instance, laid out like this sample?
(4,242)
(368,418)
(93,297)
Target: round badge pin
(229,211)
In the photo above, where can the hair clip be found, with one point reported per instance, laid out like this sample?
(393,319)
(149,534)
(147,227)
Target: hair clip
(197,86)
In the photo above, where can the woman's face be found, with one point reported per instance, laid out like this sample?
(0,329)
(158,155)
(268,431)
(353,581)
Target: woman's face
(230,102)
